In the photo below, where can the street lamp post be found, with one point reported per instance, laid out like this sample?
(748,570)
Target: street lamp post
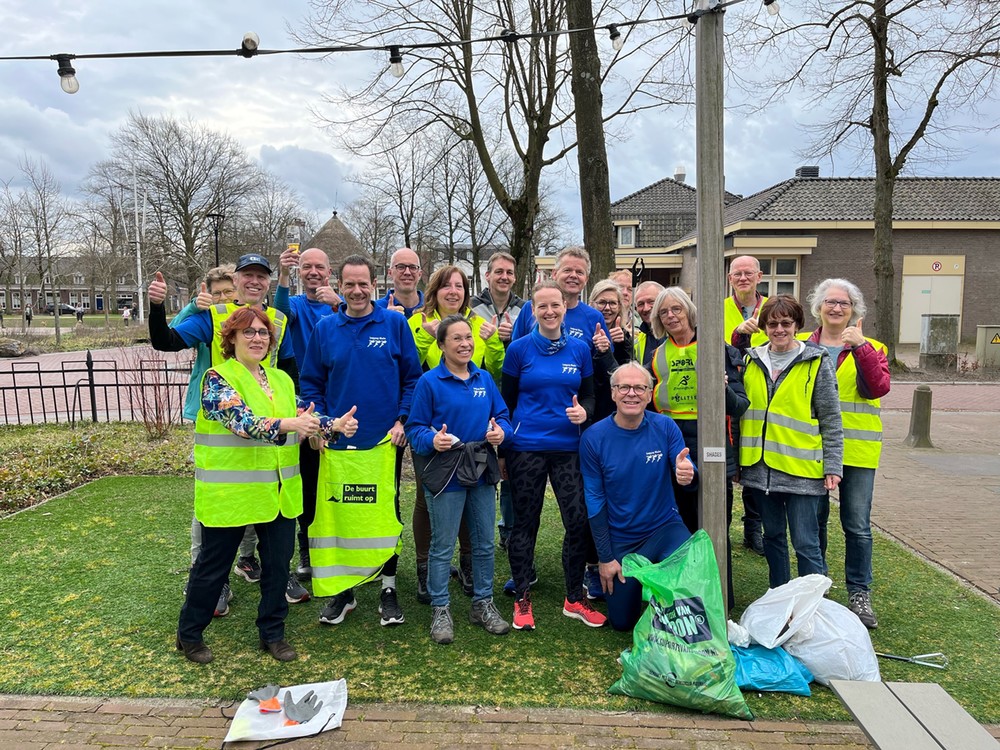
(216,220)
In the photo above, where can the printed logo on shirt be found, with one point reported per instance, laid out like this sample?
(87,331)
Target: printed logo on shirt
(377,341)
(653,457)
(570,369)
(575,332)
(479,393)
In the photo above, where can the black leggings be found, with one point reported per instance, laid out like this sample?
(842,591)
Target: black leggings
(528,473)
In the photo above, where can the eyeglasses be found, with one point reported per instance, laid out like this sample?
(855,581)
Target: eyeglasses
(638,390)
(780,324)
(607,303)
(675,311)
(743,274)
(250,333)
(842,303)
(403,267)
(224,293)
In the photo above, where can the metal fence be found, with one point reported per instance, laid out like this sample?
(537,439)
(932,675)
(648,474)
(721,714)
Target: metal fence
(143,387)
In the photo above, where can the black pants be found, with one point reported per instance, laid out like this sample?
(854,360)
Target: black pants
(309,470)
(528,473)
(219,544)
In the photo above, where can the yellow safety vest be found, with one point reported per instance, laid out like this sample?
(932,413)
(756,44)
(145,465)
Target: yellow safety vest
(676,391)
(639,346)
(221,312)
(356,529)
(239,481)
(862,417)
(782,430)
(488,354)
(733,318)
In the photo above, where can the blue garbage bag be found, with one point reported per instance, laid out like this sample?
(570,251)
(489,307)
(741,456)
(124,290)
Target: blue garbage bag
(770,669)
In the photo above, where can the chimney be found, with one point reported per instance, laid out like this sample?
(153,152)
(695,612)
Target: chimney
(807,172)
(680,173)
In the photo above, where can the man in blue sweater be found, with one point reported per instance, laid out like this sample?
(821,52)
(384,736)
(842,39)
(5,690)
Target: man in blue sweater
(626,461)
(363,356)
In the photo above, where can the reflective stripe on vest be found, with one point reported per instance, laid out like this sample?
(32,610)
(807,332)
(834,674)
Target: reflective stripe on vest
(356,529)
(239,481)
(862,417)
(733,317)
(676,391)
(783,432)
(220,313)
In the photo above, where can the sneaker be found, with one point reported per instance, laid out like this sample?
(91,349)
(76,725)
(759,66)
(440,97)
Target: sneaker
(485,614)
(337,608)
(523,618)
(584,611)
(222,606)
(294,591)
(753,540)
(860,603)
(592,584)
(422,596)
(510,588)
(388,607)
(465,573)
(249,568)
(442,627)
(304,570)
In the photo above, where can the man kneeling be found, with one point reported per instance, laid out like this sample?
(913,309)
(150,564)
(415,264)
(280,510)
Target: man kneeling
(626,462)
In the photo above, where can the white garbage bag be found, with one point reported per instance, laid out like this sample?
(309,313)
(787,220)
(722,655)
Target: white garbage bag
(786,610)
(838,646)
(250,724)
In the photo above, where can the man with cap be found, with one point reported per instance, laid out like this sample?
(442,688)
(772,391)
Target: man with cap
(252,279)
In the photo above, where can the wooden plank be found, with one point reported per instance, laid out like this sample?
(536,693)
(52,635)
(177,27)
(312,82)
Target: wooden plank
(883,719)
(942,716)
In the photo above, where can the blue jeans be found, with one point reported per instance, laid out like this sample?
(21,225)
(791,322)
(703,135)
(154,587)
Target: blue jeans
(856,490)
(478,505)
(801,512)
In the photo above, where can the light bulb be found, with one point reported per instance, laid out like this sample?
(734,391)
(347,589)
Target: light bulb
(617,40)
(69,84)
(396,62)
(67,74)
(773,8)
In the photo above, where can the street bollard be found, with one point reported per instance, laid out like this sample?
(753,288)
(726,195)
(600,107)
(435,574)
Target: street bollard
(920,419)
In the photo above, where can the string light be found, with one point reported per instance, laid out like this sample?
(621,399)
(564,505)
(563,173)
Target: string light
(250,46)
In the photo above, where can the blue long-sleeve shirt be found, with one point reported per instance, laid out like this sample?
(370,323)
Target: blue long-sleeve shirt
(303,315)
(383,302)
(626,480)
(370,362)
(581,322)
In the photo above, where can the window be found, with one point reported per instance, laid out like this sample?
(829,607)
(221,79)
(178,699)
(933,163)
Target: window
(15,300)
(781,276)
(17,278)
(121,280)
(626,236)
(78,278)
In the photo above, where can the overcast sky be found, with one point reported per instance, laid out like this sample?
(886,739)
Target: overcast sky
(264,101)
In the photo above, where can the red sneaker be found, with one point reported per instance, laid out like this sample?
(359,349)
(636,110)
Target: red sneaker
(584,611)
(523,618)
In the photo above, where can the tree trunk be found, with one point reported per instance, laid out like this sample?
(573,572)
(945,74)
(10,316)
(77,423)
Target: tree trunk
(592,156)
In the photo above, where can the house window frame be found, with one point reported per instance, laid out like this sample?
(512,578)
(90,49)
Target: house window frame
(768,285)
(632,227)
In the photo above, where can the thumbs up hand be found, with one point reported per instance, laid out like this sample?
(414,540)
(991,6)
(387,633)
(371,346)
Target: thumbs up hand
(157,291)
(683,468)
(347,425)
(576,413)
(305,424)
(853,336)
(393,306)
(601,342)
(204,300)
(494,435)
(618,333)
(327,296)
(431,326)
(442,440)
(505,328)
(488,328)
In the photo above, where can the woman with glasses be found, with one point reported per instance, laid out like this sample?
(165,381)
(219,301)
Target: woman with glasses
(606,297)
(862,379)
(792,441)
(246,474)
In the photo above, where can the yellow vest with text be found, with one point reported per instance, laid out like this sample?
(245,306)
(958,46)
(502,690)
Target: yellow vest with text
(783,430)
(862,417)
(733,317)
(239,481)
(220,313)
(676,391)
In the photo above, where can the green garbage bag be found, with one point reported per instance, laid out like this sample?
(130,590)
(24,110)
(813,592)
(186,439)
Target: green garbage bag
(680,654)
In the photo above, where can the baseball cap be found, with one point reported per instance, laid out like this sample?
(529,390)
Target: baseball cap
(253,259)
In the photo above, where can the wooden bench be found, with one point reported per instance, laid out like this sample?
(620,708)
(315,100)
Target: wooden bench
(911,716)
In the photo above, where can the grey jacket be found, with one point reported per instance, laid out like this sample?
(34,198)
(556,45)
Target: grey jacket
(825,408)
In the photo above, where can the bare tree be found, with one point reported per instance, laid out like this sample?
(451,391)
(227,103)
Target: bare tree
(14,243)
(888,76)
(259,221)
(374,222)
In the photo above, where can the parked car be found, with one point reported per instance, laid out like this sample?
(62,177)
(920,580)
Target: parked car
(64,309)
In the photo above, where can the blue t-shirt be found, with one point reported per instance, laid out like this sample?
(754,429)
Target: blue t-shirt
(627,473)
(303,315)
(407,311)
(546,386)
(197,329)
(370,362)
(581,322)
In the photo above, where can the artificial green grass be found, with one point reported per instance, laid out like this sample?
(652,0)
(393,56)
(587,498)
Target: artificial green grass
(94,588)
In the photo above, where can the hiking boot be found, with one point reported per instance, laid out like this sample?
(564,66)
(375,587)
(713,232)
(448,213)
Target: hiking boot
(222,606)
(197,652)
(337,608)
(389,608)
(249,568)
(422,596)
(510,588)
(465,573)
(485,614)
(442,627)
(295,592)
(860,603)
(592,584)
(280,650)
(523,618)
(304,570)
(584,611)
(753,540)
